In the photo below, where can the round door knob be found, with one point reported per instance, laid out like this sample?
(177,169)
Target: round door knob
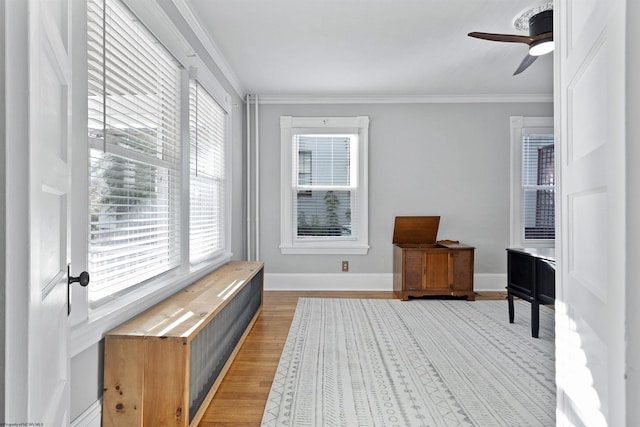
(83,279)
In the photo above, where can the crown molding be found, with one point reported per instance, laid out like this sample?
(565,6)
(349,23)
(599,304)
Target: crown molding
(209,45)
(406,99)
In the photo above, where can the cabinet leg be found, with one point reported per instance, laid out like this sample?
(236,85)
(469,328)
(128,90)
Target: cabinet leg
(535,319)
(510,299)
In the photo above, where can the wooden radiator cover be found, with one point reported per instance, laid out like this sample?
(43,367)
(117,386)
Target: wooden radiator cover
(163,367)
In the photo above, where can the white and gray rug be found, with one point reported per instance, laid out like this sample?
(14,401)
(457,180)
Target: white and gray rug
(356,362)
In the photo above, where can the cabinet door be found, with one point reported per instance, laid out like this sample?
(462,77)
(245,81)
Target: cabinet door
(462,270)
(437,272)
(413,267)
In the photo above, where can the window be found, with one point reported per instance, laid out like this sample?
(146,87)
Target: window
(533,182)
(538,187)
(144,222)
(324,185)
(134,140)
(207,129)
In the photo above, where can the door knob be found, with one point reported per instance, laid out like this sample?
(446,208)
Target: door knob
(83,279)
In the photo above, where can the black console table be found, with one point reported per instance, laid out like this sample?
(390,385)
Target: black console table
(531,276)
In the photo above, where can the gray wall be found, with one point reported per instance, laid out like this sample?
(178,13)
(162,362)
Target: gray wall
(446,159)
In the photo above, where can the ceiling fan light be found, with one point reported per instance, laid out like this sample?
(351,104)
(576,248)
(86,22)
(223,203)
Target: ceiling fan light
(541,48)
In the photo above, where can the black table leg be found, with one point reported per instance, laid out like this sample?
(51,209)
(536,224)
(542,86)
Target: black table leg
(535,318)
(510,299)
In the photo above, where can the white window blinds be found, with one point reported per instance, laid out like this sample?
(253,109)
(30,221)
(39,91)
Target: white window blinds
(538,187)
(325,186)
(134,152)
(207,129)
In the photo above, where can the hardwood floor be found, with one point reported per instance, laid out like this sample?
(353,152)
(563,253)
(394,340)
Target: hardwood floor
(241,398)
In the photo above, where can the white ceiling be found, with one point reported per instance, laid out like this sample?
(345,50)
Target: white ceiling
(368,48)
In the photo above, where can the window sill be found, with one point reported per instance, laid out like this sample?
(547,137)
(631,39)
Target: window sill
(324,249)
(538,244)
(102,319)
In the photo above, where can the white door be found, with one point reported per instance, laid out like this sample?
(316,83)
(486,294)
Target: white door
(49,155)
(590,113)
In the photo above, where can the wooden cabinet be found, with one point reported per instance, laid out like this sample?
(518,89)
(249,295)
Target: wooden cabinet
(424,267)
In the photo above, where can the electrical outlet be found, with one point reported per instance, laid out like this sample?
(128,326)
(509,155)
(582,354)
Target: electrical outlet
(345,266)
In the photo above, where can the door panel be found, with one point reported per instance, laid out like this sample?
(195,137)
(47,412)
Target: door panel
(437,272)
(413,278)
(589,109)
(462,270)
(49,129)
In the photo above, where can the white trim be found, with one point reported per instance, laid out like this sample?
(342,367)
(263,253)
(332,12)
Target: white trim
(209,45)
(328,282)
(360,282)
(290,126)
(16,298)
(91,417)
(331,248)
(407,99)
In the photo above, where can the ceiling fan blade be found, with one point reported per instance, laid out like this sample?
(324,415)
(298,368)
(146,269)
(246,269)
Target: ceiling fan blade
(542,36)
(528,60)
(510,38)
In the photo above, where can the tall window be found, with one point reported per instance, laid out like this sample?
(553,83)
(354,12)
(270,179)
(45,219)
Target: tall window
(324,185)
(532,181)
(134,156)
(207,130)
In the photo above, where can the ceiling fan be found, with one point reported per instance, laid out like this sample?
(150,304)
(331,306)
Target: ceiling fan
(540,38)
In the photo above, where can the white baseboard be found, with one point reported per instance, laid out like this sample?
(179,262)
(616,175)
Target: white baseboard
(91,417)
(359,282)
(328,282)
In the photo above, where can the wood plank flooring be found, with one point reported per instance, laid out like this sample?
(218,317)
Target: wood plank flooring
(241,398)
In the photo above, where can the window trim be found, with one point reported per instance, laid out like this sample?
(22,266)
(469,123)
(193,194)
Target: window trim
(290,126)
(520,126)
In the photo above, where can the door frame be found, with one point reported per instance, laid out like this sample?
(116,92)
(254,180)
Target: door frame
(17,222)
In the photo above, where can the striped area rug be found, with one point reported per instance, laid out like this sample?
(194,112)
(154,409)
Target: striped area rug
(358,362)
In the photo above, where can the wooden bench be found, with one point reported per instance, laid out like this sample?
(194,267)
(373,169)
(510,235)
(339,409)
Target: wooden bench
(163,367)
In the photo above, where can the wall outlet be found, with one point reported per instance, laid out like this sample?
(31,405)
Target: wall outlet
(345,266)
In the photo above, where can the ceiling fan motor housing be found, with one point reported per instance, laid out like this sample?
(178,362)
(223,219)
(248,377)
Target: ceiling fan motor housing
(541,23)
